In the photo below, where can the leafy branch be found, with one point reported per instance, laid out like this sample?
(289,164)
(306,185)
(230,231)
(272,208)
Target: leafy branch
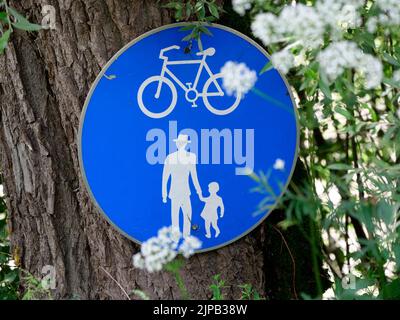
(201,12)
(10,18)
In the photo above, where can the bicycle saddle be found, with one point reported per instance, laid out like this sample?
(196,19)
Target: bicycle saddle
(208,52)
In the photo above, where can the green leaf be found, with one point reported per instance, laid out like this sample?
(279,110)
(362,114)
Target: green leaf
(392,290)
(172,5)
(174,265)
(178,14)
(188,10)
(340,166)
(391,82)
(3,16)
(396,251)
(141,294)
(205,30)
(323,85)
(367,39)
(22,23)
(16,14)
(4,40)
(27,26)
(216,288)
(214,10)
(268,66)
(198,6)
(344,112)
(10,277)
(188,27)
(202,13)
(188,37)
(391,60)
(386,212)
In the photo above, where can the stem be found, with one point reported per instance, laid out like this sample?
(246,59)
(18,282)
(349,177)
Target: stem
(181,285)
(199,43)
(118,284)
(314,257)
(346,216)
(293,262)
(272,100)
(313,220)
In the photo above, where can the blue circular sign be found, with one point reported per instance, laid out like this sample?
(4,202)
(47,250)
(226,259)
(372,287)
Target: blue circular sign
(163,142)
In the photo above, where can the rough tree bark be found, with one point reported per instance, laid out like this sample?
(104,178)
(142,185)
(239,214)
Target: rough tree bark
(44,79)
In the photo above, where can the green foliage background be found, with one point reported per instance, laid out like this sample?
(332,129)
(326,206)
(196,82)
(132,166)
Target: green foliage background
(360,163)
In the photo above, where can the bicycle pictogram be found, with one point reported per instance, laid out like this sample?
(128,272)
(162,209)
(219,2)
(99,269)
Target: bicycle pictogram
(190,88)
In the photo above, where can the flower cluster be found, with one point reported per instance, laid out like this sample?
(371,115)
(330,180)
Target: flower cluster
(237,78)
(388,16)
(189,246)
(389,12)
(158,251)
(283,60)
(304,27)
(339,15)
(307,25)
(341,55)
(240,6)
(294,24)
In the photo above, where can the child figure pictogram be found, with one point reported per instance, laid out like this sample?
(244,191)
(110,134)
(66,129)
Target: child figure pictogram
(210,211)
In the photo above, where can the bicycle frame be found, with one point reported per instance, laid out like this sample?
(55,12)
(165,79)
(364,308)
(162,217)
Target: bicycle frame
(202,64)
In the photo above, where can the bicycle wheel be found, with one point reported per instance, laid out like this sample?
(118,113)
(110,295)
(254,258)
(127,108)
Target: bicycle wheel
(221,111)
(168,110)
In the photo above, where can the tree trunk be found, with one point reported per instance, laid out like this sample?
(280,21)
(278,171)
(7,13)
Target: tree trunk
(44,80)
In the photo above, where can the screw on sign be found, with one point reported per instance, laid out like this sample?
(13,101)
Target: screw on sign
(165,141)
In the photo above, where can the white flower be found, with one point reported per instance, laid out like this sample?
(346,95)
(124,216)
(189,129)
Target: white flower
(237,78)
(305,25)
(398,113)
(189,245)
(341,55)
(300,59)
(297,23)
(169,235)
(372,70)
(339,14)
(283,60)
(333,61)
(263,27)
(390,12)
(158,251)
(372,24)
(279,164)
(240,6)
(138,261)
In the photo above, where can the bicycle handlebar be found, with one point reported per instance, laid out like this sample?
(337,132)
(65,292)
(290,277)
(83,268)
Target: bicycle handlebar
(168,49)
